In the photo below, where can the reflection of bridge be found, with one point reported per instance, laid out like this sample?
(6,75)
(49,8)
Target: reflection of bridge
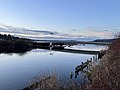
(77,51)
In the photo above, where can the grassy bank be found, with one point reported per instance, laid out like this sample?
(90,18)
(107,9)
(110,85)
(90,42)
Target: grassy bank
(106,75)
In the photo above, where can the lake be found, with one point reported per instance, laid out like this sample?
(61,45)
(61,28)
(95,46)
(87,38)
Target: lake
(16,70)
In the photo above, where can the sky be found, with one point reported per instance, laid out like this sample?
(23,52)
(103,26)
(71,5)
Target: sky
(62,15)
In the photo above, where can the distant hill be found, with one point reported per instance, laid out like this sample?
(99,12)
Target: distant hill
(104,40)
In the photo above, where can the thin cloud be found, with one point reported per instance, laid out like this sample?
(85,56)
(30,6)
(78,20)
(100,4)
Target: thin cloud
(38,34)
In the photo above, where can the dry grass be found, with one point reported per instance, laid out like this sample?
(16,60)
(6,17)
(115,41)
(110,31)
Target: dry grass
(106,75)
(52,82)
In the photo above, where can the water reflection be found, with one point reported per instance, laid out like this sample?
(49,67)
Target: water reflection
(88,47)
(20,52)
(85,67)
(17,69)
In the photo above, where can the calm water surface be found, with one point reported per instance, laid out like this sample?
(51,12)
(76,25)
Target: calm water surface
(16,70)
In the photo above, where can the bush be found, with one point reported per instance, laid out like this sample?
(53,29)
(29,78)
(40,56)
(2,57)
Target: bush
(106,75)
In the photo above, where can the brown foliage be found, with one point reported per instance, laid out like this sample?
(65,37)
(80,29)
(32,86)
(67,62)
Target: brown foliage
(106,75)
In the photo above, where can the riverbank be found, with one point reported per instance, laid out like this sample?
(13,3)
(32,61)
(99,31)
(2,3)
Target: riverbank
(106,75)
(11,44)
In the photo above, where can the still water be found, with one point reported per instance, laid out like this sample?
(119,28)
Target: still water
(17,70)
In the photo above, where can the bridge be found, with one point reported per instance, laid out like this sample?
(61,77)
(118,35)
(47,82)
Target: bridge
(69,42)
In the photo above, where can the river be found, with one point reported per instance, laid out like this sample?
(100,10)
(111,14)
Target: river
(17,70)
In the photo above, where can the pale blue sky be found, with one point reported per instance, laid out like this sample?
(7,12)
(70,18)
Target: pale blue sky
(61,15)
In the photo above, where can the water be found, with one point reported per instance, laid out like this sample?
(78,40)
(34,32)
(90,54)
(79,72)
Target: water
(16,70)
(88,47)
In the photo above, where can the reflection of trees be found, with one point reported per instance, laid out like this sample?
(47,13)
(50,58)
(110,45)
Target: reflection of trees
(20,51)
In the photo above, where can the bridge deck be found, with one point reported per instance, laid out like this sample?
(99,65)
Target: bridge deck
(77,51)
(72,42)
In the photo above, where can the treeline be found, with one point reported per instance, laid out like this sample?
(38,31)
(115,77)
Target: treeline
(10,37)
(12,44)
(9,43)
